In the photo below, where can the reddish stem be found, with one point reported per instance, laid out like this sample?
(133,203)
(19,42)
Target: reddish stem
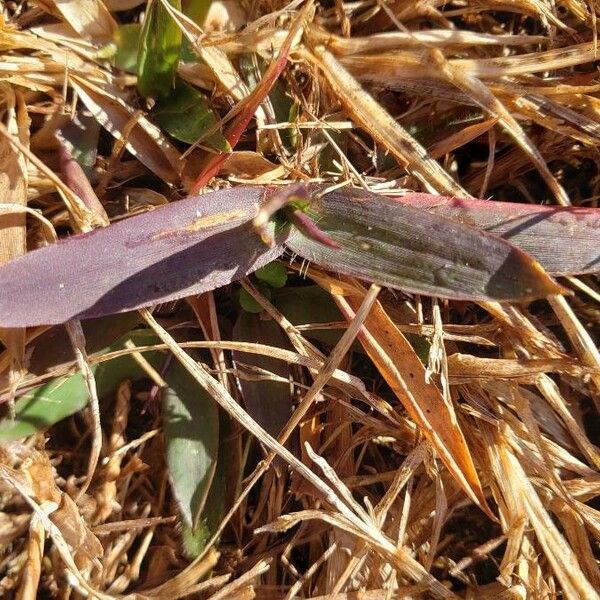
(251,103)
(309,228)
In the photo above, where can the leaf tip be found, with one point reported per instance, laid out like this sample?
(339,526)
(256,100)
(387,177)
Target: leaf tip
(547,286)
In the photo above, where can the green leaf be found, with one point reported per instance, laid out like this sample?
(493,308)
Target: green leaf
(44,406)
(158,52)
(310,304)
(248,303)
(252,68)
(196,10)
(195,539)
(329,158)
(110,374)
(285,109)
(275,274)
(191,426)
(126,42)
(186,115)
(48,404)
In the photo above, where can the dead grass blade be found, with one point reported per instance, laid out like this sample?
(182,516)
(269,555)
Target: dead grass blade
(143,139)
(553,115)
(78,341)
(463,368)
(560,555)
(481,94)
(233,408)
(235,588)
(13,235)
(559,404)
(400,366)
(185,581)
(346,382)
(525,64)
(484,68)
(89,18)
(30,577)
(580,339)
(373,118)
(438,38)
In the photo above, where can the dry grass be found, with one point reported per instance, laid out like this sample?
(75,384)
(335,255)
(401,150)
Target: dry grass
(477,479)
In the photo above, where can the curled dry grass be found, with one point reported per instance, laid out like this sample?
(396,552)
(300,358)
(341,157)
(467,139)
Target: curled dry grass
(459,98)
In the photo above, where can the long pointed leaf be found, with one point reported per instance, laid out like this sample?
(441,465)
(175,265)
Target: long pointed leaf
(563,240)
(185,248)
(403,247)
(158,53)
(191,425)
(206,242)
(400,366)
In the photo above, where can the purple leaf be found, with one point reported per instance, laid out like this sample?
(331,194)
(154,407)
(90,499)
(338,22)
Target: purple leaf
(185,248)
(403,247)
(75,177)
(205,242)
(564,240)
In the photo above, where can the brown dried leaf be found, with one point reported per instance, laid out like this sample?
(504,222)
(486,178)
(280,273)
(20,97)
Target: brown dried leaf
(466,367)
(85,544)
(401,367)
(252,167)
(458,139)
(90,18)
(66,517)
(372,117)
(13,190)
(143,140)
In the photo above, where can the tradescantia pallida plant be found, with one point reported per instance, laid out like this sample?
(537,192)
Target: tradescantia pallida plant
(418,243)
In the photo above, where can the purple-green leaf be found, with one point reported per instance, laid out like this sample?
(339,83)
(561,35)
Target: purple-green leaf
(205,242)
(564,240)
(403,247)
(185,248)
